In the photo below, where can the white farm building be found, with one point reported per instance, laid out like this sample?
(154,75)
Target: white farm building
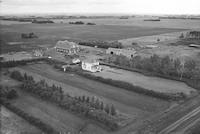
(92,66)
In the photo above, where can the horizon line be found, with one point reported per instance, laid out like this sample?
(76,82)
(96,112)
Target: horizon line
(101,14)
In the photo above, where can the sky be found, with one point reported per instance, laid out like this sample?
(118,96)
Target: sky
(100,6)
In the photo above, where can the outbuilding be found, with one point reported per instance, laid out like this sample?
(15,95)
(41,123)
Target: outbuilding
(129,52)
(91,65)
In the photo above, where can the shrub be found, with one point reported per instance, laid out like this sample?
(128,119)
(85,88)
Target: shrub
(16,75)
(12,94)
(7,93)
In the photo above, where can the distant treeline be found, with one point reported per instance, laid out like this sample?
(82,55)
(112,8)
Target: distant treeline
(180,17)
(43,21)
(18,19)
(151,19)
(77,23)
(101,44)
(33,20)
(89,107)
(81,23)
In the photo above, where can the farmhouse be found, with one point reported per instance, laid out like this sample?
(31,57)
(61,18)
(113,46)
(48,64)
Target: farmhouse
(69,48)
(130,52)
(91,65)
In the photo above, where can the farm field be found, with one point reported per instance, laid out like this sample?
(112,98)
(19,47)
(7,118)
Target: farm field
(139,21)
(58,118)
(151,83)
(85,32)
(13,124)
(143,113)
(136,21)
(136,106)
(152,39)
(94,87)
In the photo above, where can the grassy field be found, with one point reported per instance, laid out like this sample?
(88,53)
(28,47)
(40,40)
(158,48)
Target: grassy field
(111,93)
(97,32)
(61,120)
(13,124)
(151,83)
(49,113)
(49,34)
(137,107)
(139,21)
